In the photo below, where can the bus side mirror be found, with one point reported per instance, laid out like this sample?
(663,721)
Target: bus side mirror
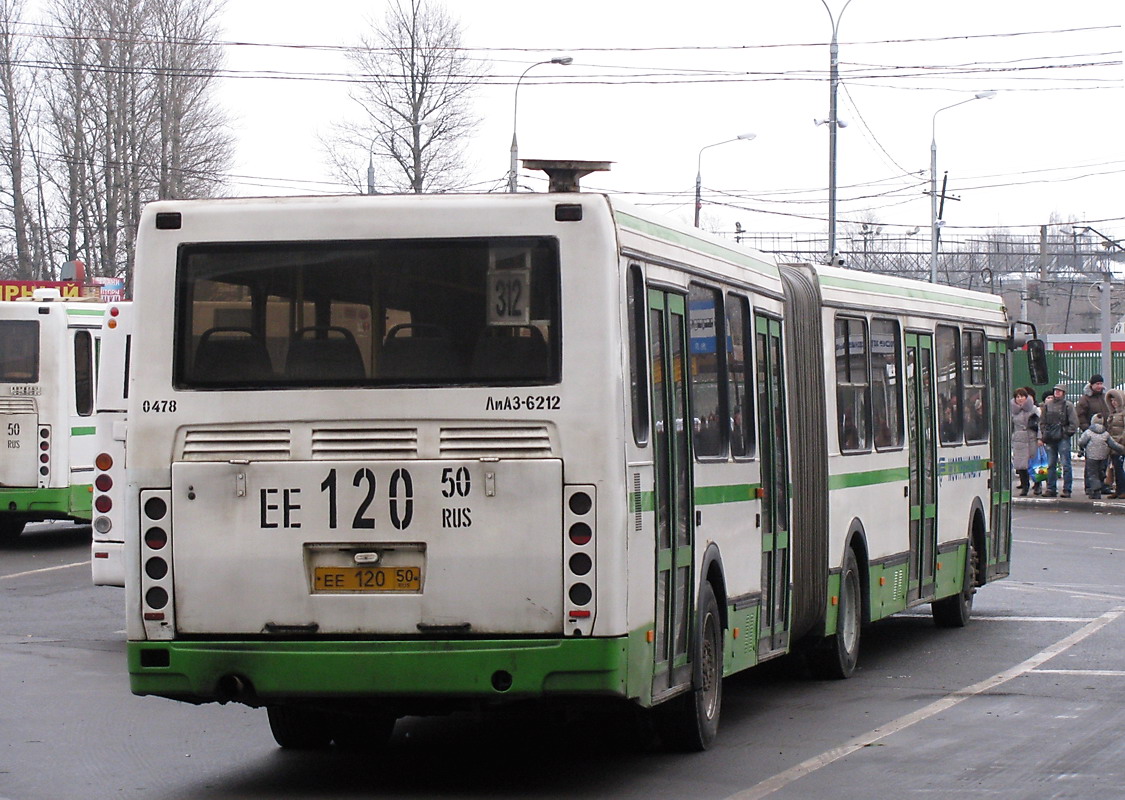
(1037,361)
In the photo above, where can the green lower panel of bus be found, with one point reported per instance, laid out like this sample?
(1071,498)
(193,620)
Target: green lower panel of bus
(68,502)
(482,669)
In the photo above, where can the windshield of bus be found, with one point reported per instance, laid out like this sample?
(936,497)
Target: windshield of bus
(432,312)
(19,351)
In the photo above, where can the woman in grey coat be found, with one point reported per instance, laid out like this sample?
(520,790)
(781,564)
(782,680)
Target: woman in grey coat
(1025,432)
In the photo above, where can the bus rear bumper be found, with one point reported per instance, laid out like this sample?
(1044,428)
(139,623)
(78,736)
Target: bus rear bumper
(258,672)
(43,504)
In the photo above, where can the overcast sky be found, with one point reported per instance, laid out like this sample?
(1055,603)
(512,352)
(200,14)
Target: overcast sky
(654,81)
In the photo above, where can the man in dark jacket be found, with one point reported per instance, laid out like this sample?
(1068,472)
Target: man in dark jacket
(1091,404)
(1057,423)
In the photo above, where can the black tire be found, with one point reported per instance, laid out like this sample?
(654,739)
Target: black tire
(11,528)
(956,610)
(361,732)
(689,722)
(299,728)
(835,657)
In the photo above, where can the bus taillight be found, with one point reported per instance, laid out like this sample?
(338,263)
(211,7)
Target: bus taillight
(578,550)
(157,608)
(104,462)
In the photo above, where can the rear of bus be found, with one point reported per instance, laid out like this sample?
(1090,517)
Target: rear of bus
(47,365)
(373,450)
(107,565)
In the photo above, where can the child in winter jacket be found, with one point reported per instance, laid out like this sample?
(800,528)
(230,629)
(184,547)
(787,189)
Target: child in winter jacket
(1098,445)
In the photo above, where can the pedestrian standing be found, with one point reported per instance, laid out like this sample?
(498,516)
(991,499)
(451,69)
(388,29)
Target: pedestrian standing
(1025,419)
(1115,426)
(1057,423)
(1096,441)
(1091,403)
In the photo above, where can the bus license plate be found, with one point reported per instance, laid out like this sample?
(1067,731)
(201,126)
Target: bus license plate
(367,579)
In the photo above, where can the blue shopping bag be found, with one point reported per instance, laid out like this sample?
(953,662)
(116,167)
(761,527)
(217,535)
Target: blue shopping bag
(1037,466)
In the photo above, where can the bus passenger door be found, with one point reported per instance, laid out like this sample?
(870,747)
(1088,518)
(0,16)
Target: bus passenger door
(923,463)
(1000,440)
(773,627)
(672,454)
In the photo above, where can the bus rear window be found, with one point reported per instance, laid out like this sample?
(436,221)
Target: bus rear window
(434,312)
(19,351)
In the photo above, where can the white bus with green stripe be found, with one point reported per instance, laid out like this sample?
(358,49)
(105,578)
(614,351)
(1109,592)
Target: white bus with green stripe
(48,364)
(403,455)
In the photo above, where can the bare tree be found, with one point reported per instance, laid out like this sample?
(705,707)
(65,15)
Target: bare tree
(132,116)
(17,105)
(414,98)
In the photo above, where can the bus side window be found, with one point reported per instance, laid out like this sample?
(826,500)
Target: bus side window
(708,395)
(976,398)
(638,355)
(947,346)
(886,388)
(740,392)
(84,373)
(853,385)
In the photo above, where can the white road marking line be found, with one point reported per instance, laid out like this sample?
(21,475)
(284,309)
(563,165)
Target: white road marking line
(783,779)
(44,569)
(1005,618)
(1072,592)
(1107,673)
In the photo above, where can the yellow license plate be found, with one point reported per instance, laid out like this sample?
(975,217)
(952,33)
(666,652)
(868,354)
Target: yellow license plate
(367,579)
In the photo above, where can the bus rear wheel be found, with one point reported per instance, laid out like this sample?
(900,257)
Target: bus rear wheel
(836,656)
(361,731)
(11,528)
(299,728)
(956,610)
(689,722)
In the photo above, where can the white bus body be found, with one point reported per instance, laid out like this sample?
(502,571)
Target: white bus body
(48,364)
(107,565)
(392,455)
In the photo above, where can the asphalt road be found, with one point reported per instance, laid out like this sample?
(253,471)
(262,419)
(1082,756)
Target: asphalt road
(1028,701)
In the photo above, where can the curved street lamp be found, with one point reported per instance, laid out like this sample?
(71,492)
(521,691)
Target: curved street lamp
(512,169)
(699,169)
(934,224)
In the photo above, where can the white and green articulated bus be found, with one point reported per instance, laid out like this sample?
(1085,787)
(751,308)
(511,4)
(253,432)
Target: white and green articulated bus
(400,455)
(48,376)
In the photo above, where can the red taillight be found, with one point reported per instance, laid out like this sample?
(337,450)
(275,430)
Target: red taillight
(44,458)
(114,311)
(580,533)
(104,461)
(103,503)
(104,483)
(155,538)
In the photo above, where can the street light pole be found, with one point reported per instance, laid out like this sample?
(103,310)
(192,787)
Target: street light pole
(699,169)
(933,180)
(513,167)
(833,123)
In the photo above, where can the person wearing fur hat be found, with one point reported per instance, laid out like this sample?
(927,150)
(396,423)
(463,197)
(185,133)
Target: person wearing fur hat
(1097,443)
(1025,424)
(1115,427)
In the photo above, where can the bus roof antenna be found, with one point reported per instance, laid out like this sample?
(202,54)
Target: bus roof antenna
(564,175)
